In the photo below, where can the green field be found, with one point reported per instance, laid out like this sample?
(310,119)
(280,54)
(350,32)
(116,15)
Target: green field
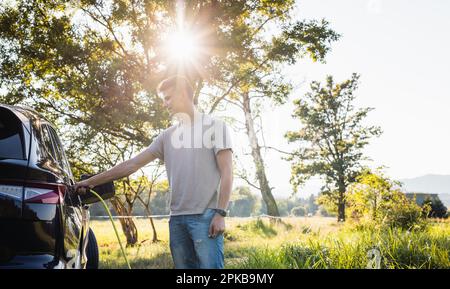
(316,242)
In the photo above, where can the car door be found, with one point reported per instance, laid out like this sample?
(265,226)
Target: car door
(72,211)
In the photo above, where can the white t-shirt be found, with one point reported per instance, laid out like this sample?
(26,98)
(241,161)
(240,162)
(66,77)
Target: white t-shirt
(189,151)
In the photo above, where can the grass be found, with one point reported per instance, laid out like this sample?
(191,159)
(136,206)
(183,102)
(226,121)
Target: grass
(315,242)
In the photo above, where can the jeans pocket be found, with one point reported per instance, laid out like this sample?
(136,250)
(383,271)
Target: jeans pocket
(207,215)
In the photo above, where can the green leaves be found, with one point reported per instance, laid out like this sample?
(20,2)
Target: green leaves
(332,137)
(304,38)
(95,64)
(85,80)
(376,199)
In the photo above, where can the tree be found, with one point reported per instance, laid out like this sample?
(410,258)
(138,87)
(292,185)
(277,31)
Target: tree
(251,74)
(93,66)
(151,186)
(243,202)
(312,206)
(332,138)
(81,75)
(436,208)
(160,199)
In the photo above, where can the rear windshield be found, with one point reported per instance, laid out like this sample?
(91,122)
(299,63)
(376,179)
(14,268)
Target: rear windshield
(11,143)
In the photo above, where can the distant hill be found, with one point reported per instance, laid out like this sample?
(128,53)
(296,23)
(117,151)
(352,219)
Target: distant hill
(434,184)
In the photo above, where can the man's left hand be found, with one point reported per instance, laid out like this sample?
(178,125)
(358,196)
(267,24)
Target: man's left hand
(217,226)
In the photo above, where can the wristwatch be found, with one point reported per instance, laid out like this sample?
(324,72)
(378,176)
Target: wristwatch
(221,212)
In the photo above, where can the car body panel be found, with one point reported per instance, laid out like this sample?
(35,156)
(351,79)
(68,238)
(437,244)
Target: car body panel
(35,235)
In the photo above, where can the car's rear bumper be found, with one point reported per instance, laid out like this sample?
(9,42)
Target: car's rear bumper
(44,261)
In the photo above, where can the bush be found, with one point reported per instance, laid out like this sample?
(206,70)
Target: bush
(325,213)
(434,208)
(298,211)
(374,198)
(403,212)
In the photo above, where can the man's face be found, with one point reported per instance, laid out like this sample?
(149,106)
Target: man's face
(173,100)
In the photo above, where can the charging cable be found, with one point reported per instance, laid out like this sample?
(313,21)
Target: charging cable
(114,226)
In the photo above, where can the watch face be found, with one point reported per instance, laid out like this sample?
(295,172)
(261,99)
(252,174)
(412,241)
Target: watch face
(221,212)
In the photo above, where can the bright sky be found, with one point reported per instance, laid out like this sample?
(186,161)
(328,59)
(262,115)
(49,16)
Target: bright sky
(401,49)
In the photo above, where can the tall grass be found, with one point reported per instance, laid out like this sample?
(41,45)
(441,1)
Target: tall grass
(351,248)
(294,243)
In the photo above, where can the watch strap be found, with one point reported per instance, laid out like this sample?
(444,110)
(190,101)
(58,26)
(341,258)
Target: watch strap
(221,212)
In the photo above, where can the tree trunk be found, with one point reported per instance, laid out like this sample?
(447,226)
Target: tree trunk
(128,226)
(266,191)
(341,202)
(341,212)
(155,236)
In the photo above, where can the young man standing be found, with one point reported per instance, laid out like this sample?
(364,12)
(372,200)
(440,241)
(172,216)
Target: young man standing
(197,154)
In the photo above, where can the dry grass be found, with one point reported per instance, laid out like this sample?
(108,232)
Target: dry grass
(259,243)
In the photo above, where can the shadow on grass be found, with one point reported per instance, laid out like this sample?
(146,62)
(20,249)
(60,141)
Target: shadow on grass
(260,227)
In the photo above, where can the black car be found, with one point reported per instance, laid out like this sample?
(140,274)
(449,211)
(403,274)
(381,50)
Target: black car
(42,224)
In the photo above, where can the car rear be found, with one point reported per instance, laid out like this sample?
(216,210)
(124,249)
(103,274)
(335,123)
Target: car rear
(30,199)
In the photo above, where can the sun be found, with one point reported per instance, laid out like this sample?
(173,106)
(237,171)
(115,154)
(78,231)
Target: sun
(182,46)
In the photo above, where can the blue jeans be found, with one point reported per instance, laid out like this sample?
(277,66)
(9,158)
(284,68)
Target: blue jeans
(190,245)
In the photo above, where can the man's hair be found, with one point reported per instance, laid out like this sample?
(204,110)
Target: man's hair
(177,82)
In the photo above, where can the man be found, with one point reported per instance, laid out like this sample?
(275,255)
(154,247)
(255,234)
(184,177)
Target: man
(197,154)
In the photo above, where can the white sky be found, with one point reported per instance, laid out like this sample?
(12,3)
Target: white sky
(401,49)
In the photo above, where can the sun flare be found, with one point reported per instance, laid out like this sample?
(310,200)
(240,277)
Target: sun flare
(182,46)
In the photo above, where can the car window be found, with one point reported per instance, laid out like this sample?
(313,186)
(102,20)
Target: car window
(48,143)
(39,148)
(11,142)
(62,159)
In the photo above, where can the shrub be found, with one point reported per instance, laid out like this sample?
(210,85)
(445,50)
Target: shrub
(402,212)
(298,211)
(375,198)
(325,213)
(434,208)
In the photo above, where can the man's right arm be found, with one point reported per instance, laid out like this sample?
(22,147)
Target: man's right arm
(121,170)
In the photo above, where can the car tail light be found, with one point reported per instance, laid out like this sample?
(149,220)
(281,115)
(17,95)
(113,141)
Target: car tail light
(44,194)
(14,192)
